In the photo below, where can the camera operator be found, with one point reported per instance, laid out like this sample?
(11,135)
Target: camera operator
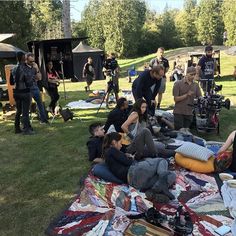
(184,92)
(147,86)
(112,72)
(206,69)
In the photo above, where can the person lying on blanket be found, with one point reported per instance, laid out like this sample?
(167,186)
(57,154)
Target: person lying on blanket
(135,127)
(229,141)
(151,175)
(94,143)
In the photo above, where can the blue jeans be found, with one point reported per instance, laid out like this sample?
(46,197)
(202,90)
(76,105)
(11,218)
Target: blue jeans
(35,93)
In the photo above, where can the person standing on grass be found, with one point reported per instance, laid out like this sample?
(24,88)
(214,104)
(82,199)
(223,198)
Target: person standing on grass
(33,74)
(147,86)
(206,69)
(53,83)
(89,73)
(184,92)
(160,60)
(22,97)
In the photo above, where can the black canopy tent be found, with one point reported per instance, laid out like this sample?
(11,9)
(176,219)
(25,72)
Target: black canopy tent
(80,56)
(56,50)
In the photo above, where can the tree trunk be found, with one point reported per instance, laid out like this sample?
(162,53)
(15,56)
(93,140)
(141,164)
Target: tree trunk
(66,19)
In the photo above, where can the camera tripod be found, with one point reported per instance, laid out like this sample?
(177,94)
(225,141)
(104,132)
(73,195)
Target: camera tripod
(110,90)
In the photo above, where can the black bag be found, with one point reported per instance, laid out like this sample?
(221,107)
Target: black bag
(74,79)
(67,114)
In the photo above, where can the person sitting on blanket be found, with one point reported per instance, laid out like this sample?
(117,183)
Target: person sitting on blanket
(118,115)
(94,143)
(150,175)
(135,127)
(229,141)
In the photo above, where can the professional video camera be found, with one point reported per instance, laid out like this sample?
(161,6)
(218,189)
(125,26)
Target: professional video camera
(207,109)
(182,226)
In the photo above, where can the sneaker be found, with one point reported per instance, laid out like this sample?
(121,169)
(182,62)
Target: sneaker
(18,131)
(29,132)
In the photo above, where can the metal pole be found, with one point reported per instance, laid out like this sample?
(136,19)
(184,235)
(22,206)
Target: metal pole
(62,72)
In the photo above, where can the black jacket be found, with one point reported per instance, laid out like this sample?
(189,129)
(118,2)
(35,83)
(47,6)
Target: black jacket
(118,163)
(116,117)
(142,87)
(95,147)
(22,84)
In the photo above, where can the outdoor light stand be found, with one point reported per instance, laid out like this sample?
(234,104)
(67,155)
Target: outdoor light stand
(62,74)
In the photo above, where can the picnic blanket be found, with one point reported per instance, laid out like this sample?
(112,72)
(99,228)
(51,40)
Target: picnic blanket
(81,104)
(102,207)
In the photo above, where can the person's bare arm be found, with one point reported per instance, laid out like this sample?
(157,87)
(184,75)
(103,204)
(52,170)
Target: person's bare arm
(198,72)
(131,119)
(38,75)
(228,142)
(168,123)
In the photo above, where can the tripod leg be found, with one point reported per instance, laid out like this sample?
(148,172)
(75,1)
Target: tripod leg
(102,101)
(107,97)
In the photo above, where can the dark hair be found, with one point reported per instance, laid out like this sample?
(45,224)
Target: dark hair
(19,56)
(157,69)
(113,136)
(208,48)
(93,127)
(53,70)
(120,102)
(161,48)
(137,108)
(29,54)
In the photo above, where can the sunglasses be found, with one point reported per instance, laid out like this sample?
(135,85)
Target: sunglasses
(192,74)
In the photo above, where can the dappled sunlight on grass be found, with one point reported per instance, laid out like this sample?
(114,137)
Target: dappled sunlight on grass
(61,195)
(2,200)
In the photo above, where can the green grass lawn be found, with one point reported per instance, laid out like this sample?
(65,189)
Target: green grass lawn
(39,174)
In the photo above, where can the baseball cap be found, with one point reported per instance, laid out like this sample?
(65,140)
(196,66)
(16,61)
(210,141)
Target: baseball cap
(208,48)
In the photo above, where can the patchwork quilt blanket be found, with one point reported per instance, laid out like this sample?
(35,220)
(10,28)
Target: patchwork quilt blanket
(102,207)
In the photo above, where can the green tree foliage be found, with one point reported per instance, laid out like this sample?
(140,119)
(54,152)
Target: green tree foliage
(46,16)
(209,23)
(168,31)
(186,23)
(92,21)
(229,17)
(115,24)
(150,35)
(78,29)
(15,19)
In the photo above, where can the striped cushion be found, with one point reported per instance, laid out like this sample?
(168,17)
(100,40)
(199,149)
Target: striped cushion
(194,151)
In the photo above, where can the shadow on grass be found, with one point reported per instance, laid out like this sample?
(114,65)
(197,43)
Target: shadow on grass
(225,78)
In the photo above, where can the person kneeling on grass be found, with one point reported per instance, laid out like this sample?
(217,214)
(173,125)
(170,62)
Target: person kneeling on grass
(150,175)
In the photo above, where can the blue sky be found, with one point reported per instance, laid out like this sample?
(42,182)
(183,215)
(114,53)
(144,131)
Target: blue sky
(77,6)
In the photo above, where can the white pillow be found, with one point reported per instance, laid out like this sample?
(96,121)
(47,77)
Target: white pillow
(195,151)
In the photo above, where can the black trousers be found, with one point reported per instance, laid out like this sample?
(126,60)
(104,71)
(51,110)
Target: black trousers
(54,95)
(23,101)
